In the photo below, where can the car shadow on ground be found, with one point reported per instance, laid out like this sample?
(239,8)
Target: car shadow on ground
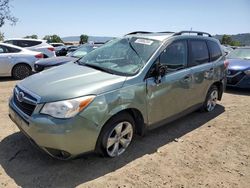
(31,168)
(6,79)
(238,91)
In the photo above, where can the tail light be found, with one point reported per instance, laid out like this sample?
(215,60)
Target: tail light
(226,63)
(51,49)
(39,56)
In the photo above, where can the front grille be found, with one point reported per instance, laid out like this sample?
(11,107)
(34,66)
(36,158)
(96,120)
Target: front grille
(26,103)
(235,79)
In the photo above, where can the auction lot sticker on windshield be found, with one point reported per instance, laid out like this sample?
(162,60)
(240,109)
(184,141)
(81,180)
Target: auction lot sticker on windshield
(144,41)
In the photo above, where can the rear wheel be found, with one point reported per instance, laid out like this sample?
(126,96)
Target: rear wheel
(21,71)
(117,135)
(211,99)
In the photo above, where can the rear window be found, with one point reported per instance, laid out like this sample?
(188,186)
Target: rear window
(199,52)
(27,43)
(214,50)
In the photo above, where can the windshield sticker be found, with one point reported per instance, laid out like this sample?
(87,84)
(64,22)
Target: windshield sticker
(144,41)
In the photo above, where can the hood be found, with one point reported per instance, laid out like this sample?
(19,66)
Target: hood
(55,61)
(69,81)
(238,64)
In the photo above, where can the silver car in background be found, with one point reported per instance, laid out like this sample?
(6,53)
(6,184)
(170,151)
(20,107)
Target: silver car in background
(17,62)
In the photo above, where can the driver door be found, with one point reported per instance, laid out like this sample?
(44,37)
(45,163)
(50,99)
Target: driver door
(171,95)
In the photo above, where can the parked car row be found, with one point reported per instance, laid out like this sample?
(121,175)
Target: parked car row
(73,56)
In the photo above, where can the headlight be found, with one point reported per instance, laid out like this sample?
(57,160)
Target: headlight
(247,72)
(66,108)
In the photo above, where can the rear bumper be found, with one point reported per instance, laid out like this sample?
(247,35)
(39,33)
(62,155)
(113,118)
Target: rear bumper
(61,138)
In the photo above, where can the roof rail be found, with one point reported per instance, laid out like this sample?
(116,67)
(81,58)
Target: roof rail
(139,32)
(166,32)
(197,32)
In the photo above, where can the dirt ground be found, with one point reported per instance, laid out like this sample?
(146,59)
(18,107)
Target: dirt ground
(198,150)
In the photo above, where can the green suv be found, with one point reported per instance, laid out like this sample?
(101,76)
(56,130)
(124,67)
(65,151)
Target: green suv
(99,102)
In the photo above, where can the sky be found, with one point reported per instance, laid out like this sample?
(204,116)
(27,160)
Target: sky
(117,17)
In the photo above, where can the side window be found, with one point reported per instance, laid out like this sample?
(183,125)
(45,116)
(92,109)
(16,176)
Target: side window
(3,49)
(199,52)
(27,43)
(214,49)
(175,56)
(13,50)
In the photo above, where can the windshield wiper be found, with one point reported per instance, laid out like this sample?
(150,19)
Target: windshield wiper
(132,47)
(97,67)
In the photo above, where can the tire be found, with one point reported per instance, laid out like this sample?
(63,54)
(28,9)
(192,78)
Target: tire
(21,71)
(116,135)
(211,99)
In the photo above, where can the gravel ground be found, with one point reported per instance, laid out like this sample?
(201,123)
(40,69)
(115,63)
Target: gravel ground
(198,150)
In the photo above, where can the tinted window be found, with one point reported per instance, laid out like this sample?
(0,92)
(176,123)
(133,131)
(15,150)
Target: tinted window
(7,49)
(27,43)
(199,52)
(214,49)
(3,50)
(175,55)
(13,50)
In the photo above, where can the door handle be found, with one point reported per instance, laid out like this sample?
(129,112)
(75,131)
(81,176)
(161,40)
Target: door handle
(9,57)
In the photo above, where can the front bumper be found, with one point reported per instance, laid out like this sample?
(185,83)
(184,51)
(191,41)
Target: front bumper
(238,80)
(61,138)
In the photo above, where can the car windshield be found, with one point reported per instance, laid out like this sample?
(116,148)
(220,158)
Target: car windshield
(82,51)
(124,56)
(240,53)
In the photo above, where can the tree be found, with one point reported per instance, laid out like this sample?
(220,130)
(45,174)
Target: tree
(5,14)
(52,38)
(31,37)
(227,40)
(1,36)
(83,39)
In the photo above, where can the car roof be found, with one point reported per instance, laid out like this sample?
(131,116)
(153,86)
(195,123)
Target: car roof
(40,40)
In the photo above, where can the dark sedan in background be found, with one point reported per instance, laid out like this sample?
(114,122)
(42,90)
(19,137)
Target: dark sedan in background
(239,68)
(56,61)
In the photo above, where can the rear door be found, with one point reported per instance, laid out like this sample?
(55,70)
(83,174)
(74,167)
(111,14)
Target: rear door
(5,61)
(171,95)
(202,69)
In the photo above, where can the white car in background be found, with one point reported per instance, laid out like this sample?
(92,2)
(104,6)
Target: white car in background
(17,62)
(35,45)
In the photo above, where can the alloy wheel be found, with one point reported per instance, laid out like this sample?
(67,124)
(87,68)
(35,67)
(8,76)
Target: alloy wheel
(212,100)
(119,139)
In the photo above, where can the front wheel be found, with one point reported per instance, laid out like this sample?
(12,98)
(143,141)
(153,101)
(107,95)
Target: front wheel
(211,99)
(117,135)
